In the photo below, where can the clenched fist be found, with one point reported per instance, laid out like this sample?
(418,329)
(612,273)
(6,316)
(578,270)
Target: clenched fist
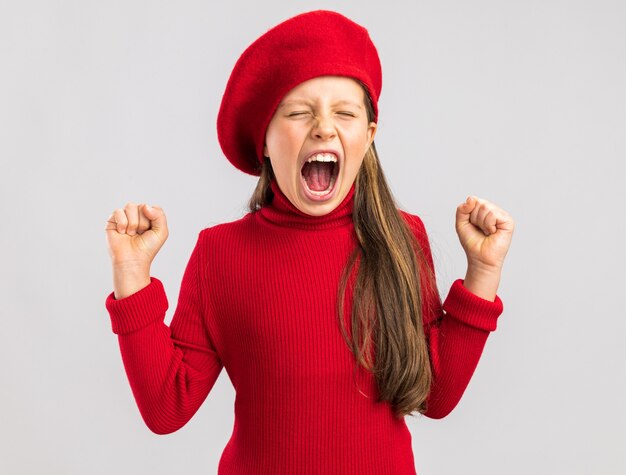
(485,232)
(134,235)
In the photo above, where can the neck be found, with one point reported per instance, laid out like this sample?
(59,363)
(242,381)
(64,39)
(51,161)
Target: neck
(282,212)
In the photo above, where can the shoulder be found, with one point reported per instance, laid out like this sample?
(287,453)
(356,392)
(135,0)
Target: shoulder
(228,227)
(419,231)
(427,267)
(415,223)
(219,245)
(227,232)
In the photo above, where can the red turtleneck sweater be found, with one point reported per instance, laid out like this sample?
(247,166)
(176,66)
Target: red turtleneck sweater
(258,299)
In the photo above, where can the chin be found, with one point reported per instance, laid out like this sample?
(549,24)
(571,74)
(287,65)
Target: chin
(320,210)
(316,209)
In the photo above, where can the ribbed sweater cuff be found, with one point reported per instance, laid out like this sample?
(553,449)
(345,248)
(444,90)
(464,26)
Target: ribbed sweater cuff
(471,309)
(138,310)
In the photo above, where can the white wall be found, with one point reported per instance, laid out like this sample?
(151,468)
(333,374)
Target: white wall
(521,103)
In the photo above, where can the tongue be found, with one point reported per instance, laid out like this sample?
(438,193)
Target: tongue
(317,175)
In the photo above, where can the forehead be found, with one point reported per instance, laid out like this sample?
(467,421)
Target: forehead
(334,88)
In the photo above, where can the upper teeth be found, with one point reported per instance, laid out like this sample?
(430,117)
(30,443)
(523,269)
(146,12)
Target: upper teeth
(322,157)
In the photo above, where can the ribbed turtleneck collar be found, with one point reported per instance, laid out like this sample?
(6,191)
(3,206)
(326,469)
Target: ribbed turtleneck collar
(282,212)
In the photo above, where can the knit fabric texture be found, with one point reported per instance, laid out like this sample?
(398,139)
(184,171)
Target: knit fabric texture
(258,298)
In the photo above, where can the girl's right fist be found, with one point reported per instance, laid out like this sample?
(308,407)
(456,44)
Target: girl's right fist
(135,234)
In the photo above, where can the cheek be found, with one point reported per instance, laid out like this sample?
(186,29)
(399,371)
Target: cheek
(356,134)
(282,141)
(358,148)
(353,167)
(358,143)
(283,151)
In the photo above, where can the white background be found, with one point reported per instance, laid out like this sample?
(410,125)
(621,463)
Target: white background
(520,103)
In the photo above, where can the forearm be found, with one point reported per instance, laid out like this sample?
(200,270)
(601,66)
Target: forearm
(456,343)
(456,350)
(482,282)
(169,378)
(168,385)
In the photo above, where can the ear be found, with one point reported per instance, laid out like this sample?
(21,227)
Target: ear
(265,154)
(371,133)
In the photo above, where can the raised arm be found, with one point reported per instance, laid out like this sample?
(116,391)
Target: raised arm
(456,331)
(171,370)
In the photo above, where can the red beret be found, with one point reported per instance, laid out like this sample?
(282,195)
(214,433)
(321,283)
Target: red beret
(306,46)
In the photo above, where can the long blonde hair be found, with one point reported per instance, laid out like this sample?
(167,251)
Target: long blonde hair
(392,281)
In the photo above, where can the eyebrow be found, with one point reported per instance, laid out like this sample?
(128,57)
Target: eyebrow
(305,102)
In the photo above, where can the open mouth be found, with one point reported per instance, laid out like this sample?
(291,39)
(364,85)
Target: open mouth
(320,173)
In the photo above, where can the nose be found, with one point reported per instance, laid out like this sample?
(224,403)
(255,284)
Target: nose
(323,128)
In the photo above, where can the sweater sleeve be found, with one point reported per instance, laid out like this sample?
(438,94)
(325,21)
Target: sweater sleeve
(456,332)
(171,370)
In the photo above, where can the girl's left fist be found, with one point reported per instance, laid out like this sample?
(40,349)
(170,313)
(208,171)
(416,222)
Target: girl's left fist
(485,232)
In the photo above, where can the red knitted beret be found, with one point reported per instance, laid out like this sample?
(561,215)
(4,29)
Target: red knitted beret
(306,46)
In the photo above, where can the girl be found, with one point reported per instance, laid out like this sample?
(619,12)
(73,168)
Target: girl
(321,302)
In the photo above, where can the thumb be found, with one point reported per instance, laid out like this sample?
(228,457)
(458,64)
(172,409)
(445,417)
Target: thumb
(464,210)
(156,217)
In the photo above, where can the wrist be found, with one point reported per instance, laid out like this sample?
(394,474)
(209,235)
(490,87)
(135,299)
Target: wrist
(132,267)
(481,269)
(129,279)
(482,281)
